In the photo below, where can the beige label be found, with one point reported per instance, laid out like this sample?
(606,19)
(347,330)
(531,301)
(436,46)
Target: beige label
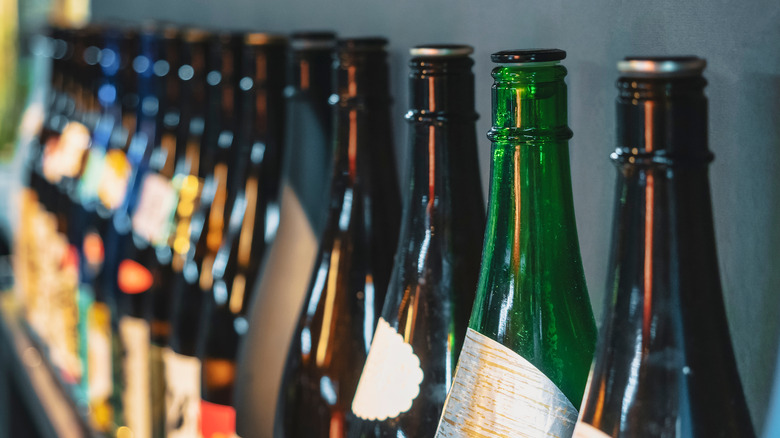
(182,395)
(155,209)
(391,377)
(136,336)
(585,430)
(496,392)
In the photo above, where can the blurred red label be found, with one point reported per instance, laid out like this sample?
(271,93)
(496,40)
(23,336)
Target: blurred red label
(217,421)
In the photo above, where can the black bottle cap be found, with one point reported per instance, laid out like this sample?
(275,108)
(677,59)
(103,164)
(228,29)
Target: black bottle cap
(661,66)
(441,50)
(363,43)
(527,55)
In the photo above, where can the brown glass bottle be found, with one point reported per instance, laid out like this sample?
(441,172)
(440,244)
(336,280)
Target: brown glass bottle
(352,270)
(306,165)
(181,369)
(237,264)
(664,366)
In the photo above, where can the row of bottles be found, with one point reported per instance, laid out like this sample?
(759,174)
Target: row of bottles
(152,197)
(213,221)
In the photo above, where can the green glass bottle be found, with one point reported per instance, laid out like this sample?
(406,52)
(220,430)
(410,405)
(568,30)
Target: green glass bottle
(525,360)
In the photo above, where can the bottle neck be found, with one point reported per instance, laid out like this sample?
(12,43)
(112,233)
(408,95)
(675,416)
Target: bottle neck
(362,112)
(531,219)
(443,137)
(665,230)
(531,177)
(662,120)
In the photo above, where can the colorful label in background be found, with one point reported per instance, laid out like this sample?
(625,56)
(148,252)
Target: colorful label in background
(157,365)
(85,301)
(496,392)
(64,157)
(391,377)
(99,364)
(136,337)
(585,430)
(64,318)
(182,395)
(154,215)
(114,178)
(93,172)
(217,421)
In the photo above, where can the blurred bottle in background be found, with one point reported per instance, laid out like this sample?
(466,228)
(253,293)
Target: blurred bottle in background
(304,201)
(352,269)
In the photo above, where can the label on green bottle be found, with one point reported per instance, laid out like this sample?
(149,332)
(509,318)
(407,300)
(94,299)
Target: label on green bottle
(496,392)
(135,335)
(182,395)
(391,377)
(585,430)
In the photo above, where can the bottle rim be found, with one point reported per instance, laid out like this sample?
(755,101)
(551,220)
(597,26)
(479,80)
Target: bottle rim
(661,66)
(362,43)
(263,39)
(528,56)
(313,40)
(196,35)
(441,50)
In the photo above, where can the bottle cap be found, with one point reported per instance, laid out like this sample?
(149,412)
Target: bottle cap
(364,43)
(194,35)
(441,50)
(313,40)
(263,39)
(527,56)
(661,66)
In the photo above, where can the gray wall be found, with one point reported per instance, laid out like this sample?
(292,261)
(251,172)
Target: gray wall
(740,40)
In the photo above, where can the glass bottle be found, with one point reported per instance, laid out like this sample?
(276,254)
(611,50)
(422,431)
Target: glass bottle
(303,201)
(664,366)
(236,266)
(419,335)
(531,336)
(204,238)
(352,270)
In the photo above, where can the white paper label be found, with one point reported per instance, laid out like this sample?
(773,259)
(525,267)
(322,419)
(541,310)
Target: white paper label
(155,209)
(585,430)
(136,337)
(391,377)
(496,392)
(182,395)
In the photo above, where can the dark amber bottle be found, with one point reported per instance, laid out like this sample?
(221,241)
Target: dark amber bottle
(415,349)
(352,270)
(664,365)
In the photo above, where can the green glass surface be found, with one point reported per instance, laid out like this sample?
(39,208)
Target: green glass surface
(532,295)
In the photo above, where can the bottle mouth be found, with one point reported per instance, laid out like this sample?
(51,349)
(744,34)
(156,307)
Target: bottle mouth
(194,35)
(362,44)
(661,66)
(315,40)
(441,50)
(528,56)
(263,39)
